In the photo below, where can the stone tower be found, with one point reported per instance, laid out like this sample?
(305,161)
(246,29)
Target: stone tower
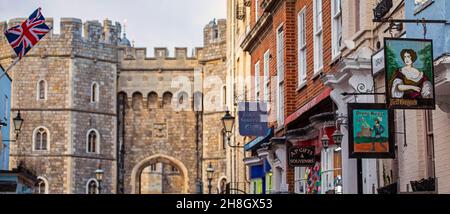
(215,103)
(65,89)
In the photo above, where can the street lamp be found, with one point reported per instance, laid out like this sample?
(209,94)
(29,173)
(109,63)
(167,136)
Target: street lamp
(228,122)
(18,122)
(325,141)
(209,174)
(337,138)
(99,176)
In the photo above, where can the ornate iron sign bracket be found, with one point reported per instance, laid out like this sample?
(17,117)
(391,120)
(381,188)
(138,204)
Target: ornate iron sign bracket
(396,24)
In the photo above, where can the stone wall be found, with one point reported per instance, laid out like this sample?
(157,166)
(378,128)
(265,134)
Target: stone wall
(69,63)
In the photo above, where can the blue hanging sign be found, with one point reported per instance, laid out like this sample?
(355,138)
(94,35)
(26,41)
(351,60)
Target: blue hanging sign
(253,119)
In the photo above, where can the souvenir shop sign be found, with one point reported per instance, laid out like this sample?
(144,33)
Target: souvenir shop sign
(371,131)
(253,119)
(302,156)
(409,74)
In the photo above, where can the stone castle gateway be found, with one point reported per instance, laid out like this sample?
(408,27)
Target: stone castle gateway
(90,99)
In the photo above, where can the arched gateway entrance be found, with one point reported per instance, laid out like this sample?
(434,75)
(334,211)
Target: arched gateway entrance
(159,174)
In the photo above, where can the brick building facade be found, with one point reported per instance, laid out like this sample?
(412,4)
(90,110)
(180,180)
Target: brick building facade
(290,43)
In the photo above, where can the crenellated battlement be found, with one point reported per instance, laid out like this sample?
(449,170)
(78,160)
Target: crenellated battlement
(74,28)
(160,54)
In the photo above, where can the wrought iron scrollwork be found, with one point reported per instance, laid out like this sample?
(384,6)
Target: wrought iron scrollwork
(362,88)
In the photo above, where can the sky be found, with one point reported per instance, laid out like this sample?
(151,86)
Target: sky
(150,23)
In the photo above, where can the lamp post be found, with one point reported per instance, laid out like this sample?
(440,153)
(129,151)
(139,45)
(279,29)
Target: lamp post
(99,176)
(325,141)
(209,174)
(228,124)
(18,122)
(337,138)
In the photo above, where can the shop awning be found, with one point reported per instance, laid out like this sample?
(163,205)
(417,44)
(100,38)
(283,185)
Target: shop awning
(258,141)
(291,118)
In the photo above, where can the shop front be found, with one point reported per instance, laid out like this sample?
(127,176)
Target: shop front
(260,178)
(313,154)
(260,172)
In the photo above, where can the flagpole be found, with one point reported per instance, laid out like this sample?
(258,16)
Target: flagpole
(10,66)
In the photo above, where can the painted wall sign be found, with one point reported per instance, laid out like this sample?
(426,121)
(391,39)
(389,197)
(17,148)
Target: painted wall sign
(253,119)
(371,131)
(302,156)
(409,74)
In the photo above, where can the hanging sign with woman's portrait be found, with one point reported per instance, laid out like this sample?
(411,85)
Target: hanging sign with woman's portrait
(409,74)
(371,131)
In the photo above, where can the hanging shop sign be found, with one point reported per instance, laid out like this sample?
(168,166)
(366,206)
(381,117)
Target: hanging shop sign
(302,156)
(409,74)
(378,62)
(253,119)
(371,131)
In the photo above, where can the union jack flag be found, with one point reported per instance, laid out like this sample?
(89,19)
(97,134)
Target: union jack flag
(26,35)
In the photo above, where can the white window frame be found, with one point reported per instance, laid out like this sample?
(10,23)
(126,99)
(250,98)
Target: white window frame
(97,91)
(300,180)
(327,170)
(266,76)
(87,185)
(257,81)
(38,97)
(256,10)
(302,54)
(34,139)
(280,75)
(97,146)
(336,30)
(46,191)
(318,37)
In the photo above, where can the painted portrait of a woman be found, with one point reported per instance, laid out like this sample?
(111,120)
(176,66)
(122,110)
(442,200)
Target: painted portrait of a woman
(408,82)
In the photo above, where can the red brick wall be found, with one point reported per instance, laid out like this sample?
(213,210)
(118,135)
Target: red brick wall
(286,14)
(267,41)
(314,86)
(252,12)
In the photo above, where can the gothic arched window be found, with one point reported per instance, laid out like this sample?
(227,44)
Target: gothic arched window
(95,93)
(92,187)
(93,142)
(41,186)
(152,100)
(42,90)
(137,101)
(167,99)
(41,139)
